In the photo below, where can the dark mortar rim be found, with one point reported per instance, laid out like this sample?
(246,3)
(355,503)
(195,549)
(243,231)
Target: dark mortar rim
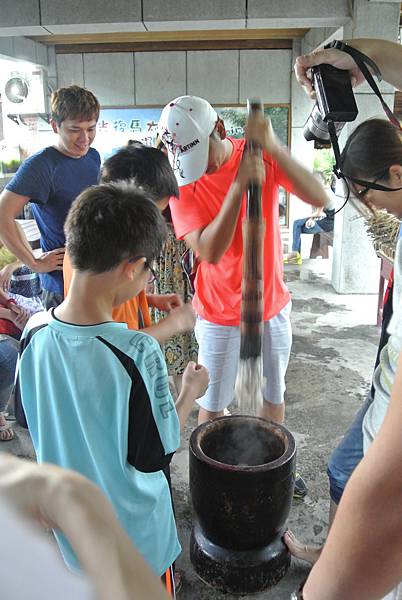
(204,429)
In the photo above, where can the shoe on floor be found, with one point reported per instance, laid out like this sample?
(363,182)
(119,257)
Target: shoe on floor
(293,258)
(301,489)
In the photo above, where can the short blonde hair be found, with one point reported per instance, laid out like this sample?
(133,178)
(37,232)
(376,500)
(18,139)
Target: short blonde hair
(74,102)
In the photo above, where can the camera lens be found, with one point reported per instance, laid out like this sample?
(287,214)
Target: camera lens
(315,129)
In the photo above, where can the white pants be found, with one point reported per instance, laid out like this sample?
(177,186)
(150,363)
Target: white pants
(396,594)
(220,350)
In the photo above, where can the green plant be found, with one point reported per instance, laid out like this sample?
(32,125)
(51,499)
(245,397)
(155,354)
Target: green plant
(324,161)
(10,166)
(6,257)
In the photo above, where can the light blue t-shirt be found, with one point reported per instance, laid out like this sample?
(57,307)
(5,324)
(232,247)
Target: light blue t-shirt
(52,181)
(95,398)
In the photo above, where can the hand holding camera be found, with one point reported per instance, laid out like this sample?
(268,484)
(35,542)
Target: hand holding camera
(329,56)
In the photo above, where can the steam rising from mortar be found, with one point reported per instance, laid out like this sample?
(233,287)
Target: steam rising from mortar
(243,445)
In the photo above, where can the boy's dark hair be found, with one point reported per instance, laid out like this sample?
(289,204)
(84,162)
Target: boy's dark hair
(371,149)
(74,102)
(147,166)
(111,222)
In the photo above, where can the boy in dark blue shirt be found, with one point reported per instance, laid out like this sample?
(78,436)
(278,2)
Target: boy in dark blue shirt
(51,179)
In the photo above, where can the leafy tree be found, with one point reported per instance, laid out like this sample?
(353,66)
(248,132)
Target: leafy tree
(324,161)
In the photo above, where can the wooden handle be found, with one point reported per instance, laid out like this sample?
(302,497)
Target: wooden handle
(252,306)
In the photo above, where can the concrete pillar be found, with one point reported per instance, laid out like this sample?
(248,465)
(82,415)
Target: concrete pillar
(301,150)
(355,266)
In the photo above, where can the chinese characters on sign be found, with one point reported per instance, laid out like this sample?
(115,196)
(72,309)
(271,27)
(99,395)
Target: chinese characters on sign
(117,126)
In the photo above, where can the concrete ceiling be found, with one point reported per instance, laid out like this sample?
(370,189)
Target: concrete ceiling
(102,21)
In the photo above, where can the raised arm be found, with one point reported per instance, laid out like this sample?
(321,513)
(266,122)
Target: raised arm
(195,384)
(362,557)
(211,242)
(304,184)
(387,56)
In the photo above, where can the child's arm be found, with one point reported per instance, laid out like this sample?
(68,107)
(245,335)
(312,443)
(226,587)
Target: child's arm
(164,302)
(19,316)
(195,384)
(179,320)
(5,313)
(4,297)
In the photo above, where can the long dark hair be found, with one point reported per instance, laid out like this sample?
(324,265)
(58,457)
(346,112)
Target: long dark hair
(372,148)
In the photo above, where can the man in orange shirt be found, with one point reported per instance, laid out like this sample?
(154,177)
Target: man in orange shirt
(213,174)
(150,169)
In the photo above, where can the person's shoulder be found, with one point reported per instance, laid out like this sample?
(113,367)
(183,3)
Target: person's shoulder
(48,159)
(36,323)
(185,191)
(131,342)
(40,159)
(39,318)
(238,143)
(94,156)
(34,174)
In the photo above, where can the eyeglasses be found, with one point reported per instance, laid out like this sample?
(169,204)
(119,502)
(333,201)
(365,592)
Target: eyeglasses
(147,265)
(152,274)
(369,185)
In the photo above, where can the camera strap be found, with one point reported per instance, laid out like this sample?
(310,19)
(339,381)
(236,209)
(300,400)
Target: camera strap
(363,62)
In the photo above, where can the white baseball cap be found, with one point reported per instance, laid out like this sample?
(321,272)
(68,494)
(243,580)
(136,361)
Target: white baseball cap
(184,127)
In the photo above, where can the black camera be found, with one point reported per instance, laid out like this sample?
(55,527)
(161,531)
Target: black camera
(335,102)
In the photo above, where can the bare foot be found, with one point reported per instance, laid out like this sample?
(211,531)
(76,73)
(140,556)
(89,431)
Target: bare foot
(6,432)
(299,550)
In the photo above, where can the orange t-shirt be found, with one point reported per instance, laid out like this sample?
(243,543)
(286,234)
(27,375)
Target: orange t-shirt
(218,286)
(128,312)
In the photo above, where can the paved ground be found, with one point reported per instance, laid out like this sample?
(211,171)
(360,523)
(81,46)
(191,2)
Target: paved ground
(334,347)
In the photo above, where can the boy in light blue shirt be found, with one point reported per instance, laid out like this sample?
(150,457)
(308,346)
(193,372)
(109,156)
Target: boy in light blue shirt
(96,394)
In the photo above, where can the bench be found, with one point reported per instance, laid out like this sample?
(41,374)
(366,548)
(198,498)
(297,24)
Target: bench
(30,228)
(321,243)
